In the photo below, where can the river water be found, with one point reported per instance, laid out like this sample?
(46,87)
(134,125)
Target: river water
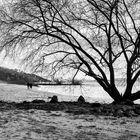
(91,90)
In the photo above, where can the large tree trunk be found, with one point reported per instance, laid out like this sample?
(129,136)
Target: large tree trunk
(110,89)
(115,94)
(128,92)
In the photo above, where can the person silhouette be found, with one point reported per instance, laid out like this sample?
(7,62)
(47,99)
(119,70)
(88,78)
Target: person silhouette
(28,85)
(31,85)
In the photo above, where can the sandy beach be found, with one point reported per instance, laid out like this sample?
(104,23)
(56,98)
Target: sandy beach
(35,124)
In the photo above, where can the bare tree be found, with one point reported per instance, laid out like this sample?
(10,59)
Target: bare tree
(94,37)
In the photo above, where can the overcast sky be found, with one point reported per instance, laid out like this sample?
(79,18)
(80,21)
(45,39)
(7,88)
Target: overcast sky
(6,62)
(2,1)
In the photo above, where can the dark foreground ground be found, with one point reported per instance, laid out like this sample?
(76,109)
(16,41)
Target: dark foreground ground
(39,120)
(76,108)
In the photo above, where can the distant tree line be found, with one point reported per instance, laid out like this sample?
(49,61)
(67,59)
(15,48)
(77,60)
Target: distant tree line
(13,76)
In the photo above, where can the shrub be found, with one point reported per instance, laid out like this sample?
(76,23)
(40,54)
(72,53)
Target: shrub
(81,99)
(58,82)
(54,99)
(76,82)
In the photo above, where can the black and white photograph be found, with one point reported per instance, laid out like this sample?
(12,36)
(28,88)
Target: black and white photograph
(69,69)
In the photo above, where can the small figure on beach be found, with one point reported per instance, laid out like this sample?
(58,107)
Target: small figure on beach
(29,85)
(54,99)
(81,99)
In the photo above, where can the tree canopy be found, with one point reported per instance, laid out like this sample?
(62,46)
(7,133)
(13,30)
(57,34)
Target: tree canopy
(98,38)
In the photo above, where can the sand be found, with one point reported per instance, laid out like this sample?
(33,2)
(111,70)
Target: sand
(35,124)
(57,125)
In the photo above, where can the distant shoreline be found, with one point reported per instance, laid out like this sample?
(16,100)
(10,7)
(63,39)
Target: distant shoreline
(62,84)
